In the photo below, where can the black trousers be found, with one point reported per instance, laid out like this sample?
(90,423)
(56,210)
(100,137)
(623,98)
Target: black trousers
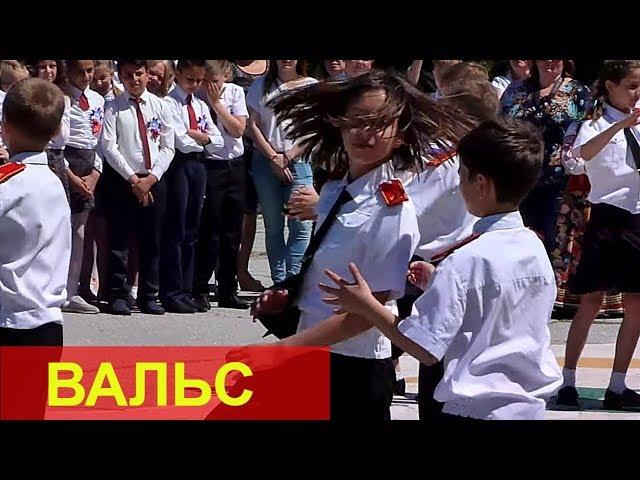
(47,335)
(428,376)
(26,397)
(128,218)
(361,388)
(221,226)
(186,181)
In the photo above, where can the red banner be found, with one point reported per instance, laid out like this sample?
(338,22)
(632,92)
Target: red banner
(164,383)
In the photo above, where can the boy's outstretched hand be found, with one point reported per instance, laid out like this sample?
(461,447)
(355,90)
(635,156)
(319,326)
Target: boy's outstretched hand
(355,298)
(419,274)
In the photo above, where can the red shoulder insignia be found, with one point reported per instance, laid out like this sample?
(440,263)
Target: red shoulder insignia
(441,157)
(393,192)
(9,170)
(444,254)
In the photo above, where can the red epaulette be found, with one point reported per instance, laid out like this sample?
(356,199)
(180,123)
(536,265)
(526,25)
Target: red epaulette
(441,157)
(9,170)
(393,192)
(444,254)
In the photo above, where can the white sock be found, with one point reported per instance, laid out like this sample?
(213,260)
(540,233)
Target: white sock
(569,377)
(617,382)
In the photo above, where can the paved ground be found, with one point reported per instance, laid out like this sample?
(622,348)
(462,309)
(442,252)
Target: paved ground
(234,327)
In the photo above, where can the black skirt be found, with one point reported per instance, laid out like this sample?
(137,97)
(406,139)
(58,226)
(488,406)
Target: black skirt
(611,252)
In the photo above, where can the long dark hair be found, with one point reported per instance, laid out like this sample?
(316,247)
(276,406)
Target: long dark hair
(317,113)
(61,71)
(271,77)
(614,71)
(568,69)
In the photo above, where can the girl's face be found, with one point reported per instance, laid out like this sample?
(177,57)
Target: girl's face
(625,95)
(47,70)
(81,75)
(101,83)
(367,149)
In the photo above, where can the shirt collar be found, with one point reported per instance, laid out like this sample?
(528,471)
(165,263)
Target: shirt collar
(613,113)
(144,96)
(35,158)
(499,221)
(182,95)
(367,185)
(76,92)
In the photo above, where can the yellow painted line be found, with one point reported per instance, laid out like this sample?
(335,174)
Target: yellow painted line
(600,362)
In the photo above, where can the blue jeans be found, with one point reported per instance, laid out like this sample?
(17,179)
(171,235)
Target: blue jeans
(284,258)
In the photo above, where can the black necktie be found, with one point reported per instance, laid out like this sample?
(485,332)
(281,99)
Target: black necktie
(632,143)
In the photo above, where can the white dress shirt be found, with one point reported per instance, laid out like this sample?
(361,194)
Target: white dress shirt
(443,218)
(486,311)
(233,99)
(85,126)
(62,138)
(35,245)
(177,101)
(273,131)
(2,95)
(121,141)
(612,171)
(378,238)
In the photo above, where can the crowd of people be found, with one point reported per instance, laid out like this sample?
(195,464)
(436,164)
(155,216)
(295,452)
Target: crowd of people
(408,194)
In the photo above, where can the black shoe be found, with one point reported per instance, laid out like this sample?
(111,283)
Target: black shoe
(202,302)
(213,292)
(568,397)
(400,387)
(234,302)
(177,306)
(629,399)
(190,302)
(131,302)
(151,307)
(119,307)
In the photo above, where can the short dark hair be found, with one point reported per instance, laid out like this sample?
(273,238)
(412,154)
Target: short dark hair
(135,63)
(184,64)
(509,152)
(477,99)
(34,106)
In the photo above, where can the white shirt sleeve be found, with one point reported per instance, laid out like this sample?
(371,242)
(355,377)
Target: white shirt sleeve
(586,133)
(215,136)
(182,141)
(239,104)
(438,313)
(396,254)
(167,143)
(109,143)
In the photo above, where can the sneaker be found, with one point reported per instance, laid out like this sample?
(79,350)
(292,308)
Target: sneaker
(202,302)
(568,397)
(151,307)
(78,305)
(627,400)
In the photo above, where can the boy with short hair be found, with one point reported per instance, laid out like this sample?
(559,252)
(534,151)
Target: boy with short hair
(486,307)
(35,219)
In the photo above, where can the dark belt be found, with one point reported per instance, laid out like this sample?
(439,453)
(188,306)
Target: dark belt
(224,164)
(188,156)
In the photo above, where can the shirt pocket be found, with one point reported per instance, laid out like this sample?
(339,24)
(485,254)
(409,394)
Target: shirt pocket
(346,230)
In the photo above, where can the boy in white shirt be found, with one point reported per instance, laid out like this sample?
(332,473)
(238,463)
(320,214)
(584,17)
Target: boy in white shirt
(488,303)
